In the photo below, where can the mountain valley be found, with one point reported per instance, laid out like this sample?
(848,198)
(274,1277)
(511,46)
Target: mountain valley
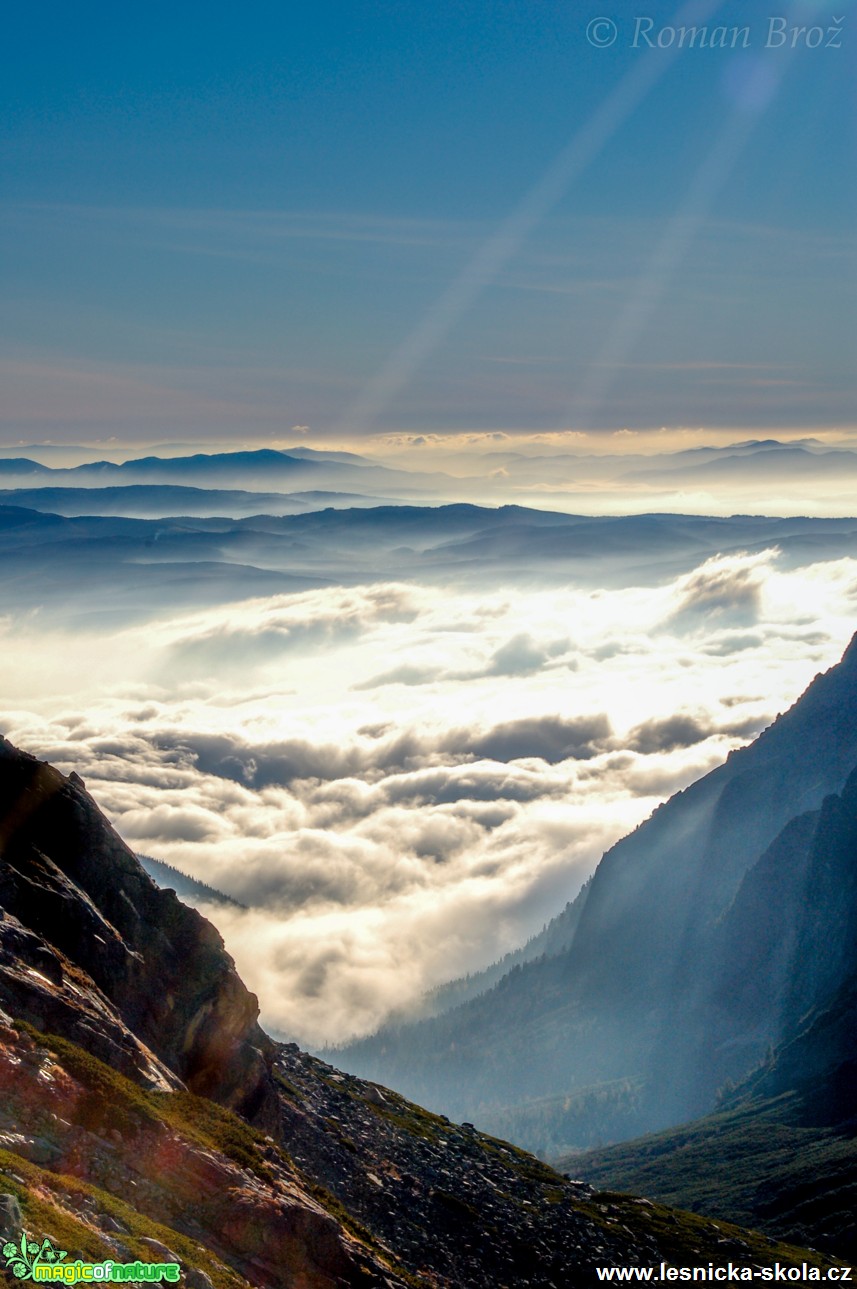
(146,1113)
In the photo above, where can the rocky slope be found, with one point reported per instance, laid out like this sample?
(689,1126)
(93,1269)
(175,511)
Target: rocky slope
(144,1111)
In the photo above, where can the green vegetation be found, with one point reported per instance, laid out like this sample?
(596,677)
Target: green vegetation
(114,1102)
(410,1118)
(525,1165)
(756,1166)
(685,1237)
(211,1124)
(289,1088)
(168,876)
(458,1207)
(584,1116)
(57,1206)
(362,1234)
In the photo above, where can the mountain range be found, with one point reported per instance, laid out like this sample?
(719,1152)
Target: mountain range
(500,476)
(260,468)
(81,562)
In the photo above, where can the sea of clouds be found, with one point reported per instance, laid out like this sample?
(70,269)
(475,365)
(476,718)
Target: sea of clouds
(402,782)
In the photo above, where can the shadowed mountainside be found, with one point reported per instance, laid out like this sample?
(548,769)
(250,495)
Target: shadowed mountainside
(705,935)
(781,1152)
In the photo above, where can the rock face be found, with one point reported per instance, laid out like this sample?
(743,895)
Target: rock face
(69,878)
(91,951)
(145,1113)
(166,1164)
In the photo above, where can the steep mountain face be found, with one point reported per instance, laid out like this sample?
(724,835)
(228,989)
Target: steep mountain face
(781,1152)
(704,934)
(144,1114)
(786,947)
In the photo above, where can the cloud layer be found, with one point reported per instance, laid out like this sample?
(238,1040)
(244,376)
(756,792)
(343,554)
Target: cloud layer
(402,783)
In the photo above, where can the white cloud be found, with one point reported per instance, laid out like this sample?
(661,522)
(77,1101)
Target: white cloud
(725,589)
(388,836)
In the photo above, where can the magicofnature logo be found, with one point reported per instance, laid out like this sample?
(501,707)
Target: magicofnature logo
(22,1258)
(29,1260)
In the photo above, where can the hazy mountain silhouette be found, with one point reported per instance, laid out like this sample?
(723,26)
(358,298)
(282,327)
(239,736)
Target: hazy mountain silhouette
(760,463)
(160,501)
(705,937)
(257,469)
(80,562)
(504,475)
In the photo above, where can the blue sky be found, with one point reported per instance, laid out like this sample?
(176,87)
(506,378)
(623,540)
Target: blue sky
(223,222)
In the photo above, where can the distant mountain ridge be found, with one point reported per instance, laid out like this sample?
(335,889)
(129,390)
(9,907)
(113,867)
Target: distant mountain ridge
(763,461)
(81,561)
(502,476)
(187,888)
(145,501)
(257,468)
(555,936)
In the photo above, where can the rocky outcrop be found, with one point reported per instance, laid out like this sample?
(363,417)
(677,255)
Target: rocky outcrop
(159,965)
(171,1162)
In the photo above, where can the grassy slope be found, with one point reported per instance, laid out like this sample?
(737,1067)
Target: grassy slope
(755,1166)
(54,1204)
(67,1209)
(114,1102)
